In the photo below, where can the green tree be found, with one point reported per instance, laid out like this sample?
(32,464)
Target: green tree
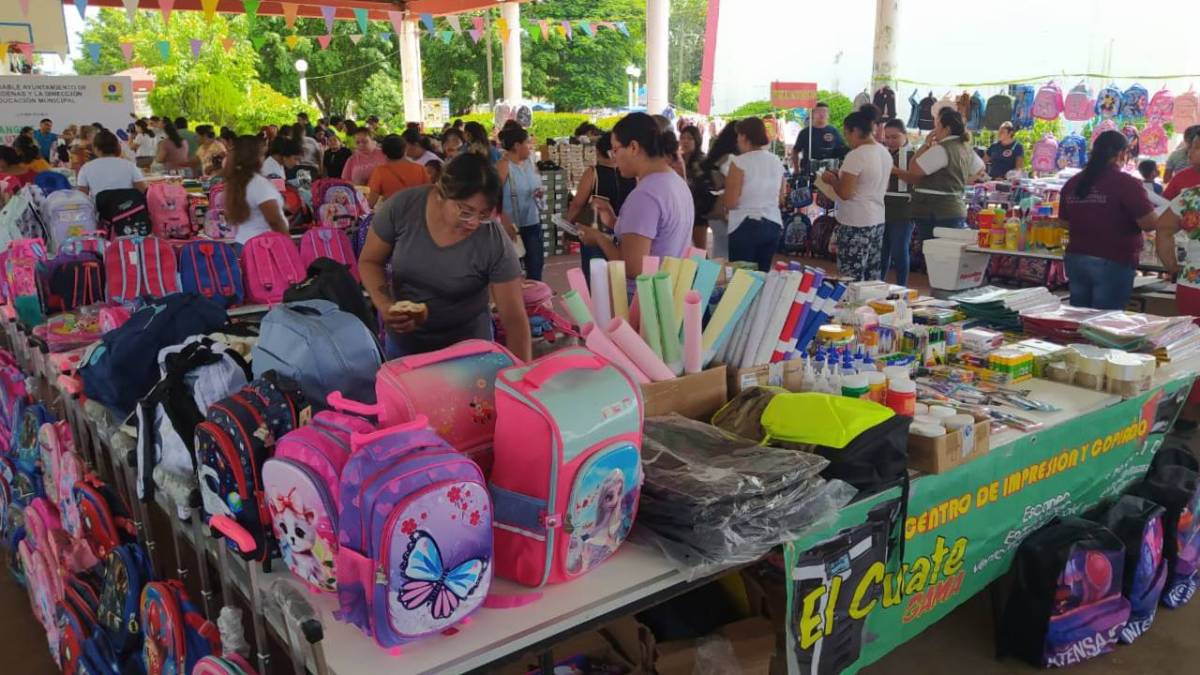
(688,19)
(839,106)
(382,96)
(687,97)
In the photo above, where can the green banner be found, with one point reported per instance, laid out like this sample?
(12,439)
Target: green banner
(851,600)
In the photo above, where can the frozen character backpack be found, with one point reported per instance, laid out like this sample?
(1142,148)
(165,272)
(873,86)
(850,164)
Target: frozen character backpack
(168,206)
(1108,102)
(140,266)
(177,635)
(328,242)
(215,226)
(1134,102)
(414,535)
(1138,523)
(1130,132)
(211,269)
(301,482)
(568,472)
(124,213)
(336,203)
(1048,104)
(1079,106)
(270,263)
(1187,110)
(1154,140)
(1045,154)
(1022,113)
(454,388)
(1162,107)
(66,214)
(1066,604)
(125,572)
(1173,483)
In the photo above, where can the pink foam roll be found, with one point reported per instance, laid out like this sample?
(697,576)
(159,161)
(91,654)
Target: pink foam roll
(693,338)
(627,339)
(578,283)
(695,251)
(599,342)
(650,264)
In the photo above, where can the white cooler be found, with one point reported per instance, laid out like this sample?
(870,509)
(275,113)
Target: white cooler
(951,268)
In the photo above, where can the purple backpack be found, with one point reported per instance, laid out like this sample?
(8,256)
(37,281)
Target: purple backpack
(414,535)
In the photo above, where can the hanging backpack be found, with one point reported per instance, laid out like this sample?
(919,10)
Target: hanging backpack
(270,263)
(999,111)
(1138,523)
(1134,102)
(567,472)
(1187,110)
(1023,95)
(25,447)
(20,218)
(301,482)
(124,213)
(1130,132)
(975,121)
(21,262)
(1162,107)
(168,206)
(1108,102)
(71,280)
(1045,154)
(328,242)
(1079,105)
(215,226)
(454,388)
(39,563)
(54,444)
(415,535)
(76,620)
(321,347)
(1173,483)
(330,280)
(104,522)
(66,214)
(1066,604)
(1048,104)
(51,181)
(1154,140)
(176,635)
(1103,126)
(1072,152)
(336,203)
(211,269)
(140,266)
(125,573)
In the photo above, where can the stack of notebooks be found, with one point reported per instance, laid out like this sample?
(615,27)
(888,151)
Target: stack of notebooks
(1001,308)
(1060,324)
(1169,338)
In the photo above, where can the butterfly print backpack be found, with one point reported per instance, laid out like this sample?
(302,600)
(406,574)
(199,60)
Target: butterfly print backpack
(302,491)
(414,535)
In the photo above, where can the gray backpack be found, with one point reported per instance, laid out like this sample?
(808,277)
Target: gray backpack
(321,347)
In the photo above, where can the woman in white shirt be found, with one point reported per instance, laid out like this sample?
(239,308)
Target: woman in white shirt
(753,191)
(109,171)
(144,144)
(252,204)
(860,186)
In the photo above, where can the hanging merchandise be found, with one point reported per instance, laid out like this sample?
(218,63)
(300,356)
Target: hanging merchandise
(946,101)
(1103,126)
(962,103)
(1134,102)
(1045,154)
(1108,102)
(1079,106)
(999,111)
(1154,140)
(863,99)
(1187,110)
(885,100)
(1072,152)
(975,118)
(1162,107)
(925,114)
(914,111)
(1048,104)
(1130,132)
(1022,116)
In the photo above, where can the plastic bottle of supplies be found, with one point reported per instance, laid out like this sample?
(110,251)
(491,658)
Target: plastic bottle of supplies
(902,396)
(855,386)
(985,229)
(877,385)
(998,235)
(1012,234)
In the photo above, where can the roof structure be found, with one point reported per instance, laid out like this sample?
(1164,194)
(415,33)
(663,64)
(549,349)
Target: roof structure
(377,9)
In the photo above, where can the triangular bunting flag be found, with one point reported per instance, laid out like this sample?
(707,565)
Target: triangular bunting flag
(545,26)
(328,13)
(360,15)
(323,40)
(477,21)
(251,7)
(356,37)
(210,9)
(502,27)
(26,51)
(566,26)
(127,51)
(131,9)
(291,41)
(560,30)
(386,36)
(80,5)
(258,41)
(196,45)
(427,20)
(24,11)
(289,14)
(475,34)
(164,49)
(227,44)
(455,25)
(94,51)
(587,28)
(397,19)
(622,28)
(447,36)
(165,6)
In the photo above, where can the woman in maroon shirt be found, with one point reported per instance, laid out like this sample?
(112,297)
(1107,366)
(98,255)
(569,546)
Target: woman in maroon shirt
(1107,211)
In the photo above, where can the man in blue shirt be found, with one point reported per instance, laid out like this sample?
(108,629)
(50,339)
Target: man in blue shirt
(1005,154)
(45,138)
(827,142)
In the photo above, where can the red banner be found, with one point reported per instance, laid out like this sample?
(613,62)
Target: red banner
(789,95)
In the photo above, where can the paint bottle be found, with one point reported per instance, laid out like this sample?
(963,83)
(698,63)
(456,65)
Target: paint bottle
(902,397)
(877,384)
(855,386)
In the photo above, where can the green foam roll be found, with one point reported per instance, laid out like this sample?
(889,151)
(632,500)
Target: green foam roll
(577,308)
(648,308)
(664,297)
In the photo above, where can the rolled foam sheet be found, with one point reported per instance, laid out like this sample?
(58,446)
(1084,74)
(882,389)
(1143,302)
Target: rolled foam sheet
(649,266)
(779,315)
(668,330)
(738,295)
(744,358)
(618,288)
(705,282)
(648,311)
(682,284)
(580,313)
(601,301)
(578,283)
(635,348)
(670,266)
(696,251)
(598,341)
(693,350)
(731,352)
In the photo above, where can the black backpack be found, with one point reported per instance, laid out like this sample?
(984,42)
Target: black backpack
(1173,483)
(877,459)
(330,280)
(124,212)
(1138,523)
(1066,604)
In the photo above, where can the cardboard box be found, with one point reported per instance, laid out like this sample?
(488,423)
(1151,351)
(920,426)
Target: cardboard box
(624,642)
(749,643)
(939,455)
(786,374)
(696,396)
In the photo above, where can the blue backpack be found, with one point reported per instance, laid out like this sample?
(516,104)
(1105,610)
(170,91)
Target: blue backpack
(122,367)
(1134,102)
(177,636)
(1072,152)
(211,269)
(126,570)
(321,347)
(1108,102)
(24,447)
(51,181)
(975,119)
(1023,95)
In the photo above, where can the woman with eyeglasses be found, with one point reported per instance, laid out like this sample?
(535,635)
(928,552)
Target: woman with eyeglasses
(447,256)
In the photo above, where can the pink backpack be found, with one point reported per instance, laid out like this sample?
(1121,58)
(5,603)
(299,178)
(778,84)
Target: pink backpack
(20,266)
(1187,110)
(43,573)
(215,226)
(568,471)
(55,443)
(1103,126)
(301,485)
(1048,104)
(328,242)
(270,264)
(1079,105)
(453,387)
(336,203)
(139,266)
(1154,140)
(1162,107)
(169,216)
(1045,154)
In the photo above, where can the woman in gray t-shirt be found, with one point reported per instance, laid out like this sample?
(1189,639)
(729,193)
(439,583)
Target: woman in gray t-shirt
(446,252)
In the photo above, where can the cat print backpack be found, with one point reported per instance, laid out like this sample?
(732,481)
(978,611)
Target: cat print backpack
(1138,523)
(176,635)
(568,471)
(1079,105)
(1066,604)
(454,388)
(301,482)
(1048,104)
(270,263)
(414,535)
(215,226)
(1045,154)
(1173,483)
(168,206)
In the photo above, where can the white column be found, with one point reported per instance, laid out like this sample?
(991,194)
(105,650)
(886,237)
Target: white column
(658,15)
(883,63)
(511,12)
(410,69)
